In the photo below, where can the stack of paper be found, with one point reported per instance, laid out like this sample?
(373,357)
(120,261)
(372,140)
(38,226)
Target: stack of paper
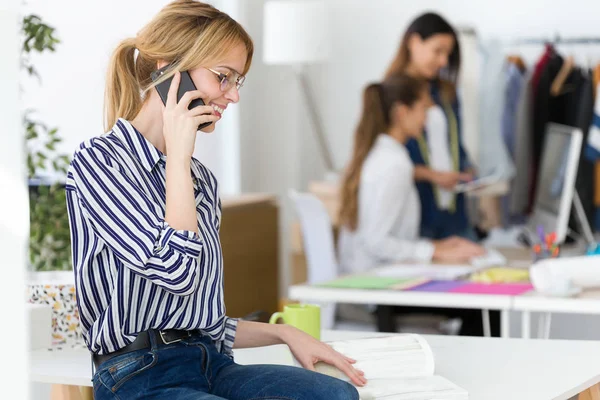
(374,282)
(397,367)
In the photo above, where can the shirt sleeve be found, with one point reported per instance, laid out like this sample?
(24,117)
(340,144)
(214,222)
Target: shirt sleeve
(226,338)
(389,197)
(132,225)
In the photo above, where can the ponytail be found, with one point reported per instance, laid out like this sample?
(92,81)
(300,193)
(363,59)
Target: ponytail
(123,93)
(378,102)
(372,122)
(186,33)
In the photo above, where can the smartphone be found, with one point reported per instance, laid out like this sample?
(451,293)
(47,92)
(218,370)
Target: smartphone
(185,85)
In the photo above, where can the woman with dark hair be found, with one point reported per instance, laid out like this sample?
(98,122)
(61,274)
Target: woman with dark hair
(429,50)
(380,208)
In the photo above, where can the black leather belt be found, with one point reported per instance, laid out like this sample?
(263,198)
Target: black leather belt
(142,341)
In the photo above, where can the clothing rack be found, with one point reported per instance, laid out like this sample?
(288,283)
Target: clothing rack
(557,40)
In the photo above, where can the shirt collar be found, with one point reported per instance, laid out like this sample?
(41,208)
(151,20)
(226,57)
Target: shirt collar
(383,139)
(137,144)
(145,151)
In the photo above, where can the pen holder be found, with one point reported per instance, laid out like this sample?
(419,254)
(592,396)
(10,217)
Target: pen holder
(543,255)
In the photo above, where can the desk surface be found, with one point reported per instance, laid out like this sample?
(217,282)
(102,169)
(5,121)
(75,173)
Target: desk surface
(316,294)
(488,368)
(588,302)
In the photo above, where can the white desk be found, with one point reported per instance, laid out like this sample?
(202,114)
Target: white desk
(587,302)
(503,303)
(488,368)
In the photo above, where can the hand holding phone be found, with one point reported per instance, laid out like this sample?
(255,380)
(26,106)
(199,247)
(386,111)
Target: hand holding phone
(180,122)
(186,84)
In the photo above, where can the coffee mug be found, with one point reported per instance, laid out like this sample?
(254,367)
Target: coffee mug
(306,317)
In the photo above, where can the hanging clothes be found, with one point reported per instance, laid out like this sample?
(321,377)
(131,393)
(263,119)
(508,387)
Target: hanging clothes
(519,200)
(468,90)
(597,161)
(592,152)
(579,103)
(596,79)
(540,66)
(573,106)
(513,87)
(494,157)
(544,106)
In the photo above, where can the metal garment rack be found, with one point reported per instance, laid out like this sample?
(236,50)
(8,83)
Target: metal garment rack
(556,40)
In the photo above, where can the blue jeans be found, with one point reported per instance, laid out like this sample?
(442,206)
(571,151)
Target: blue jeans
(194,369)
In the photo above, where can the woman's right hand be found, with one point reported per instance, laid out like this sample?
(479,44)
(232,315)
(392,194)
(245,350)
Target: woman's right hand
(456,250)
(449,179)
(180,125)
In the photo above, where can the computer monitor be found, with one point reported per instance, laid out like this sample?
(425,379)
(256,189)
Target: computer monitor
(556,180)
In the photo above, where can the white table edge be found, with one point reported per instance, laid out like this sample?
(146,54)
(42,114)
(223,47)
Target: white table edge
(556,305)
(52,379)
(397,297)
(580,388)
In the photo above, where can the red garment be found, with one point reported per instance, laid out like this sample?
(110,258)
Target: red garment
(539,67)
(535,80)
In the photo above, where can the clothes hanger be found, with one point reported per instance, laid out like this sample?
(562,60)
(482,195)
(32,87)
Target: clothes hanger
(559,81)
(518,61)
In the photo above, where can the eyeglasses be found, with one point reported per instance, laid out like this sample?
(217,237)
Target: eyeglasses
(229,80)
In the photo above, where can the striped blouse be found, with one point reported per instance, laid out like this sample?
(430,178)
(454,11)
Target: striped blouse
(134,272)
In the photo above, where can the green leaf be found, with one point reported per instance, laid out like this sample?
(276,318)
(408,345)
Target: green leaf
(31,134)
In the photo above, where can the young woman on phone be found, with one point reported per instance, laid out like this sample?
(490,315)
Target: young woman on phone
(380,209)
(145,219)
(429,50)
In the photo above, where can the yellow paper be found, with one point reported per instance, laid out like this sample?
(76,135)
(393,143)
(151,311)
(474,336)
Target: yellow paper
(501,275)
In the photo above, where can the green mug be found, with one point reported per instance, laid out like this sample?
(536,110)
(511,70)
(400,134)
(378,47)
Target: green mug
(306,317)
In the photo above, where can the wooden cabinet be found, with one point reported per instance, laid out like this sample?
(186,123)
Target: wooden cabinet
(249,238)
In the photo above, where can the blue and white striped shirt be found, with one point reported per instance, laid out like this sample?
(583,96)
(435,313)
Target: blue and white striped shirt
(134,272)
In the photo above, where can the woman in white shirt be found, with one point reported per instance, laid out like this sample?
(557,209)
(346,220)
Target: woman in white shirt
(380,210)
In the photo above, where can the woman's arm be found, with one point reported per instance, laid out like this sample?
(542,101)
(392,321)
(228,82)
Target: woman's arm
(180,207)
(108,202)
(423,173)
(306,349)
(445,179)
(257,334)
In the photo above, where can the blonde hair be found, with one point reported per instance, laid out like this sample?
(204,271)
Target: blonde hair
(186,34)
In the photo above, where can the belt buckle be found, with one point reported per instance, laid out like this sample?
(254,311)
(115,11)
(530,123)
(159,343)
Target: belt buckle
(165,341)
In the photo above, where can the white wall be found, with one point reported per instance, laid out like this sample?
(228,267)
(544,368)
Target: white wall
(267,144)
(270,130)
(70,95)
(14,226)
(366,36)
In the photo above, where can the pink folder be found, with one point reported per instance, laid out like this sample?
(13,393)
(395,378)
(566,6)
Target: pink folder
(493,288)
